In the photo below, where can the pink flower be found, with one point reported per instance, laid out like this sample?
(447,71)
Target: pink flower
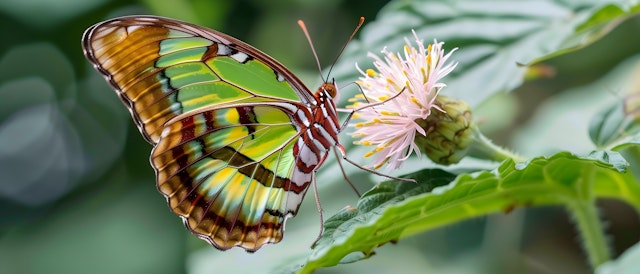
(391,127)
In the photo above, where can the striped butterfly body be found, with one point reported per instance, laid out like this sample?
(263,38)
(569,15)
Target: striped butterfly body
(237,137)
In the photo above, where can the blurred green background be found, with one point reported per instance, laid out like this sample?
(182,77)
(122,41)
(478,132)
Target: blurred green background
(77,194)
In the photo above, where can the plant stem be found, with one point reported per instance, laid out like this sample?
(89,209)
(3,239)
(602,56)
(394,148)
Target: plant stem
(585,214)
(482,147)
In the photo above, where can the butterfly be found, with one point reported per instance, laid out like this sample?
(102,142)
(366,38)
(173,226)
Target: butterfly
(237,137)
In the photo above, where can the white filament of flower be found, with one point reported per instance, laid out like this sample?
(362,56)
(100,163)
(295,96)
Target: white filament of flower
(392,127)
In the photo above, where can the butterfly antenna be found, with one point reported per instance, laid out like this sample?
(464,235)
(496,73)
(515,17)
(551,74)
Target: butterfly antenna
(313,49)
(353,34)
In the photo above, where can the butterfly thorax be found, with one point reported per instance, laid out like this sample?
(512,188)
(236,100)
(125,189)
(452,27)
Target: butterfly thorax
(320,133)
(326,116)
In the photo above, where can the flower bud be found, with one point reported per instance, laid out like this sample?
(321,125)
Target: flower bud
(449,131)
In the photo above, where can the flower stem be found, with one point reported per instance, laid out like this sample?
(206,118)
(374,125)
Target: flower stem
(482,147)
(585,214)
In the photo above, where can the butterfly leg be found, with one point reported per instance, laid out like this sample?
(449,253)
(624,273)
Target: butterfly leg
(344,174)
(344,156)
(319,206)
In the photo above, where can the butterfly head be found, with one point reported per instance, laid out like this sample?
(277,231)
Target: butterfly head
(328,90)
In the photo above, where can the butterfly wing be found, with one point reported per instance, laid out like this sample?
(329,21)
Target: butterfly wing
(230,173)
(222,116)
(162,68)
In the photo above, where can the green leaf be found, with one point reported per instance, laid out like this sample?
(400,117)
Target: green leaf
(561,122)
(613,158)
(601,20)
(493,37)
(396,210)
(619,122)
(631,153)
